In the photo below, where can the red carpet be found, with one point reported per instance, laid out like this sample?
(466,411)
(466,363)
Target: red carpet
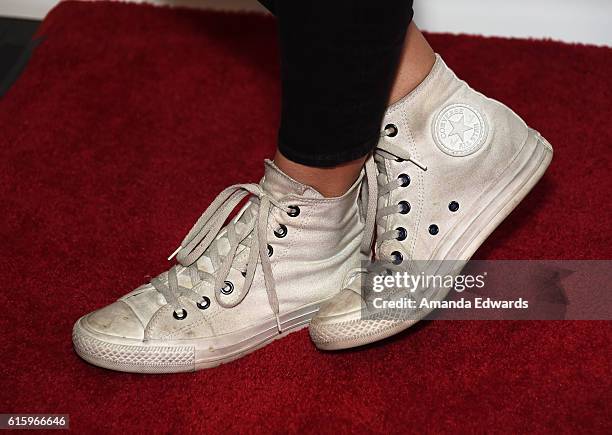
(127,113)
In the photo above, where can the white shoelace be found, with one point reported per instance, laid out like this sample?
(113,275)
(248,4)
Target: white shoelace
(386,186)
(202,239)
(203,235)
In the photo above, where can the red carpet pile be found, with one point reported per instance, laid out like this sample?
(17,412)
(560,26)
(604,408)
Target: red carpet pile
(128,121)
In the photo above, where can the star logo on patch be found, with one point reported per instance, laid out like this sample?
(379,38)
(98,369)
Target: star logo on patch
(459,130)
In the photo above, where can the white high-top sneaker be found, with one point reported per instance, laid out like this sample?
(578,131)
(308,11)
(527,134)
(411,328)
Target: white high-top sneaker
(236,288)
(452,165)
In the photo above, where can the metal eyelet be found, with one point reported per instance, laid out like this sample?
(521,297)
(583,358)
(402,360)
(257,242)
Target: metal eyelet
(281,232)
(404,180)
(393,130)
(404,207)
(228,288)
(397,257)
(181,316)
(270,251)
(206,304)
(295,211)
(402,233)
(433,229)
(453,206)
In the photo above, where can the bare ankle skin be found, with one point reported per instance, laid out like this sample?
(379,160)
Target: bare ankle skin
(330,182)
(416,62)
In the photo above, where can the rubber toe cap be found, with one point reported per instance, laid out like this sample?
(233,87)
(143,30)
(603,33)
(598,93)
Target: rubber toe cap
(343,307)
(116,319)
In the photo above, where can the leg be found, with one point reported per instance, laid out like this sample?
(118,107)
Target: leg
(338,68)
(416,60)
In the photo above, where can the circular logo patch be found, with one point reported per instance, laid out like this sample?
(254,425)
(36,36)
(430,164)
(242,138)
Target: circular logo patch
(459,130)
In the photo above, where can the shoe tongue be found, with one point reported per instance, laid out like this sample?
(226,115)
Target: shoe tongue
(278,184)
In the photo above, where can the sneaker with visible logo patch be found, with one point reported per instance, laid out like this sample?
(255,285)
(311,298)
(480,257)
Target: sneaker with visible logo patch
(452,164)
(235,288)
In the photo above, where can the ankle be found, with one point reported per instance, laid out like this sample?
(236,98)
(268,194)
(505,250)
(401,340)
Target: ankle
(330,182)
(416,62)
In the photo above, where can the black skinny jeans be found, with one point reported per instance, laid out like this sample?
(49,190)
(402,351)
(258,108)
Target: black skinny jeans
(338,63)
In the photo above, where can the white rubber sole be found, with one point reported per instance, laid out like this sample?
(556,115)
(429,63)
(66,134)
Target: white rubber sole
(172,356)
(501,198)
